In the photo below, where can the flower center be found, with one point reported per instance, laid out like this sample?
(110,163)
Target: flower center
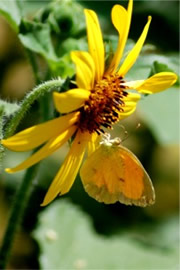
(104,105)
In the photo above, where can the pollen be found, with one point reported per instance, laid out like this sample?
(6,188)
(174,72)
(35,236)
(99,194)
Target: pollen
(104,105)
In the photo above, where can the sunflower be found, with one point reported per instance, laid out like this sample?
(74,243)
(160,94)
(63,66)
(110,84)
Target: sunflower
(101,99)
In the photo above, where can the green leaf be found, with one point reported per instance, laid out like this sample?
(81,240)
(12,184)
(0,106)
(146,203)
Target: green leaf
(68,241)
(160,67)
(165,230)
(12,12)
(36,37)
(8,108)
(160,112)
(63,22)
(144,64)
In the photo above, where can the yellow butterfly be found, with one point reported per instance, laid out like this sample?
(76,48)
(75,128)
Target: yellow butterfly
(113,173)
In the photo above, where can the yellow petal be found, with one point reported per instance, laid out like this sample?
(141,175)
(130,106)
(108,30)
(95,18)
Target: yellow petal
(129,11)
(131,97)
(68,171)
(34,136)
(51,146)
(154,84)
(95,42)
(133,84)
(93,143)
(127,112)
(130,105)
(71,100)
(121,20)
(85,69)
(134,53)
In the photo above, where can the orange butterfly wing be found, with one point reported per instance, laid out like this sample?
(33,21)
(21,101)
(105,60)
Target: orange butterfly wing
(113,173)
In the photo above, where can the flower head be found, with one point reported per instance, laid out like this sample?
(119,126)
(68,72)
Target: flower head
(101,99)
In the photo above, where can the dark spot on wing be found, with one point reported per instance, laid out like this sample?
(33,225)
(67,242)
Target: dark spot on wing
(94,170)
(121,179)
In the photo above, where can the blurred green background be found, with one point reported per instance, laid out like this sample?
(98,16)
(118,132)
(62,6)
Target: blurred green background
(75,231)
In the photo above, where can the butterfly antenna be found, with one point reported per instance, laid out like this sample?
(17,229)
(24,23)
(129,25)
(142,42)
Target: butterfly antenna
(124,130)
(130,134)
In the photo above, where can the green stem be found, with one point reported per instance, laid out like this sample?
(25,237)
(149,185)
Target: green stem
(45,107)
(24,191)
(1,135)
(16,215)
(38,91)
(33,62)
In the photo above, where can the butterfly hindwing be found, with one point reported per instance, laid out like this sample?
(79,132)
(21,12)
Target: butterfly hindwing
(113,173)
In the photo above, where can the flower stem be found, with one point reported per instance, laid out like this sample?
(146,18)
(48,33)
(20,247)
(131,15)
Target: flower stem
(37,92)
(1,136)
(24,191)
(32,60)
(16,215)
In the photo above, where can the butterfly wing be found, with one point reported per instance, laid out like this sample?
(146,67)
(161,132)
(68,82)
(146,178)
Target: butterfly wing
(113,173)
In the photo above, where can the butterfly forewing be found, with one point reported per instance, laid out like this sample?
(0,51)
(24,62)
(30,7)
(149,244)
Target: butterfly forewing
(113,173)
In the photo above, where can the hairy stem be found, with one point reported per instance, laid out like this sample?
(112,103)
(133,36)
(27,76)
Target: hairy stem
(24,191)
(38,91)
(16,215)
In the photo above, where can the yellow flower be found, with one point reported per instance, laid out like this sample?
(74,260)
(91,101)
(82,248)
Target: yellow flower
(102,98)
